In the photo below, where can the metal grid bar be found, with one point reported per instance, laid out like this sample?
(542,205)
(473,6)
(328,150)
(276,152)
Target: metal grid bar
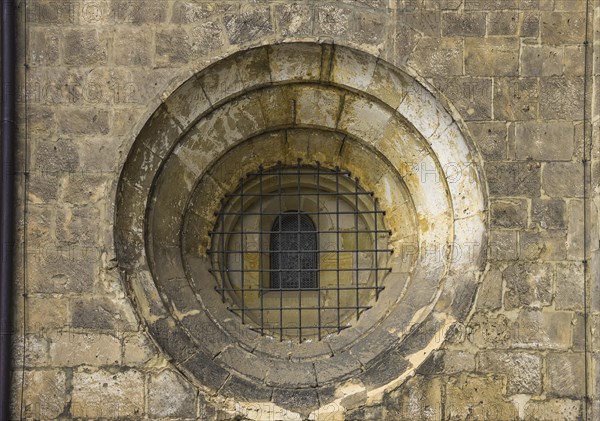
(237,281)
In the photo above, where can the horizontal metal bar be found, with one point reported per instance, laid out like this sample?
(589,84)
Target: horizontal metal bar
(298,308)
(298,270)
(274,328)
(389,232)
(296,172)
(242,194)
(303,213)
(302,251)
(302,289)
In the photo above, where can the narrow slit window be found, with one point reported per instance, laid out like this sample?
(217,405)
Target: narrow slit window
(293,252)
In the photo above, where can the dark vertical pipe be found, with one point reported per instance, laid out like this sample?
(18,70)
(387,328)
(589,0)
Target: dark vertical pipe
(7,237)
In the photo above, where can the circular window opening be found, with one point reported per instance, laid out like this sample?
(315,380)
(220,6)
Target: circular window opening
(299,252)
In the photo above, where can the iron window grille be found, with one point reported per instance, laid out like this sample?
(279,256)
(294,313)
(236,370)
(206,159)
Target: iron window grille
(299,251)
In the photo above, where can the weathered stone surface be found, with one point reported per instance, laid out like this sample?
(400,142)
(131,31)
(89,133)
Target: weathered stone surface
(85,47)
(570,286)
(131,47)
(563,28)
(470,24)
(560,98)
(469,395)
(509,213)
(541,60)
(528,285)
(514,178)
(523,370)
(107,395)
(503,245)
(563,179)
(541,329)
(332,20)
(553,410)
(492,56)
(516,98)
(544,245)
(170,395)
(438,57)
(293,19)
(45,394)
(490,138)
(71,349)
(566,374)
(248,25)
(548,213)
(552,141)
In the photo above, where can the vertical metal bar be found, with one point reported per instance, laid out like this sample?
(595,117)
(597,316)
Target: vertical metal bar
(260,254)
(337,251)
(376,263)
(356,241)
(299,272)
(222,255)
(242,248)
(319,250)
(279,257)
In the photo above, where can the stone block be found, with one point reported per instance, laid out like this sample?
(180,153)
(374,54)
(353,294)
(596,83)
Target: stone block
(569,286)
(509,213)
(503,23)
(566,374)
(434,57)
(293,20)
(104,394)
(528,284)
(543,329)
(425,22)
(502,245)
(70,349)
(470,24)
(83,121)
(84,47)
(561,98)
(551,141)
(131,47)
(332,20)
(489,296)
(544,245)
(44,48)
(513,178)
(173,47)
(139,12)
(497,56)
(490,138)
(44,394)
(575,229)
(170,396)
(553,410)
(79,227)
(477,397)
(548,213)
(516,99)
(368,28)
(563,179)
(522,370)
(472,97)
(62,269)
(249,25)
(541,60)
(563,27)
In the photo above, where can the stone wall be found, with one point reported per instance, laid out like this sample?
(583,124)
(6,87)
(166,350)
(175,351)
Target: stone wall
(512,72)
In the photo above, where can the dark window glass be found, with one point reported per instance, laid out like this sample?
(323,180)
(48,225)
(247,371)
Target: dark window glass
(293,252)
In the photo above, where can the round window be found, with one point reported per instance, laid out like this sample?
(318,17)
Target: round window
(299,251)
